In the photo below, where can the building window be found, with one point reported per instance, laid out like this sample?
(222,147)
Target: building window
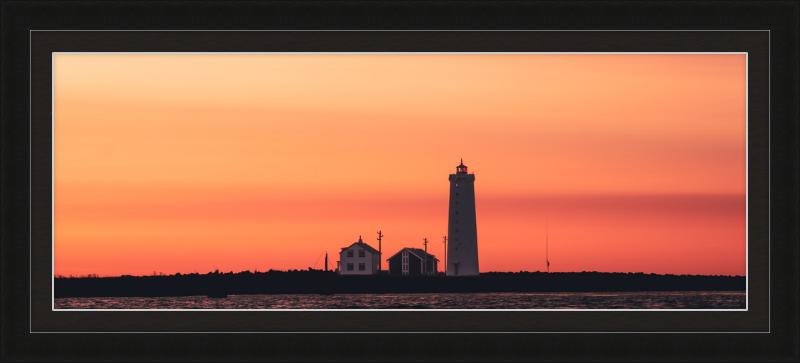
(362,267)
(349,267)
(405,263)
(360,253)
(349,253)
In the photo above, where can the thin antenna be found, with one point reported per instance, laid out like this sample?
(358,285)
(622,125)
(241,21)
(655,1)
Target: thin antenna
(425,266)
(380,260)
(445,255)
(546,246)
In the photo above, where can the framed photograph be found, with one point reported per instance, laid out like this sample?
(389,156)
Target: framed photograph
(213,162)
(604,187)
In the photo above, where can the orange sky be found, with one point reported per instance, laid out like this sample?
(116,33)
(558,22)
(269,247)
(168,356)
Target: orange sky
(183,162)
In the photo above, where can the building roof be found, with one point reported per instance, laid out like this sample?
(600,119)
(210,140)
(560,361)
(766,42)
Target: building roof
(416,252)
(363,245)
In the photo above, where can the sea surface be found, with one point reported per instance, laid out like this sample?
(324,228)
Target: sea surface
(541,300)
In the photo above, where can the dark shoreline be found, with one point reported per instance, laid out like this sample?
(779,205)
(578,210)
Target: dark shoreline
(321,282)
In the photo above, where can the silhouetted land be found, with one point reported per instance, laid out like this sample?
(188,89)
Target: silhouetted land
(322,282)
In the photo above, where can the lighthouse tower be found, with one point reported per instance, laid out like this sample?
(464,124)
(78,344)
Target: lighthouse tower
(462,233)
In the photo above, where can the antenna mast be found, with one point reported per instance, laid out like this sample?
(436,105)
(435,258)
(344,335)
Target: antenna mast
(546,246)
(445,255)
(425,265)
(380,260)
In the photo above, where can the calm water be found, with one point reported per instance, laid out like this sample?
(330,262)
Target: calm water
(548,300)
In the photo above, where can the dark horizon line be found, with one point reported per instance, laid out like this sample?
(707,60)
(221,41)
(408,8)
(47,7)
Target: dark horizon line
(246,272)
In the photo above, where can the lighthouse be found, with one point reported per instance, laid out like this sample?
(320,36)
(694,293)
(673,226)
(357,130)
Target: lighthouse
(462,233)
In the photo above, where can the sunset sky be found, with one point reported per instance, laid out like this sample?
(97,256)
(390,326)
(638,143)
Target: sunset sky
(198,162)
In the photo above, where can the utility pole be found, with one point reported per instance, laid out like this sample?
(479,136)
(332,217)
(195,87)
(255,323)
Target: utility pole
(380,260)
(425,265)
(326,262)
(445,255)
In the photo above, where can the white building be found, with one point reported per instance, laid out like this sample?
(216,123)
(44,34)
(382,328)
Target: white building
(359,259)
(462,232)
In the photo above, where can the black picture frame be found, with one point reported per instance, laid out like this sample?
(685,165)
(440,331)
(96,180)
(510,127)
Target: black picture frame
(663,26)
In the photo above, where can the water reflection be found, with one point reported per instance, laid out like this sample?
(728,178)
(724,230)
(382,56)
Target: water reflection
(586,300)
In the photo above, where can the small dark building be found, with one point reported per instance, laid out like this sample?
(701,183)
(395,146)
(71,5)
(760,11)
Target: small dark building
(409,261)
